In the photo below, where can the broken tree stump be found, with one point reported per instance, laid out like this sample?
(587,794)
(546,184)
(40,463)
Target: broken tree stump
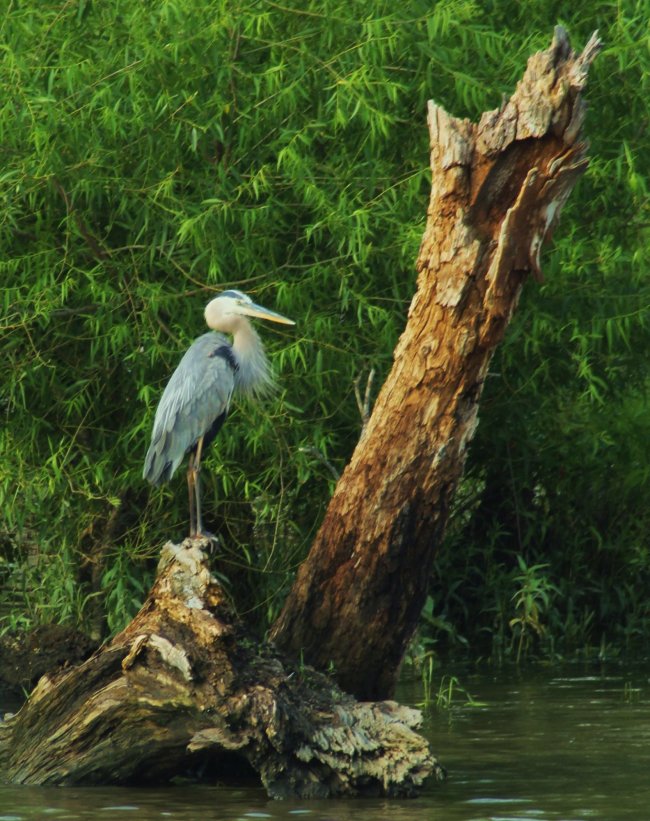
(497,189)
(184,688)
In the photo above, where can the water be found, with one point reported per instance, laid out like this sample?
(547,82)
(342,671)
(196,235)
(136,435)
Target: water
(557,743)
(552,744)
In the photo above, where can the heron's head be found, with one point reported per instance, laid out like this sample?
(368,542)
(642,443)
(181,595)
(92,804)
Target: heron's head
(225,311)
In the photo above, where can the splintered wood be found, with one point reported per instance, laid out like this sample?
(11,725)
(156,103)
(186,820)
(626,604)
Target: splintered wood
(497,191)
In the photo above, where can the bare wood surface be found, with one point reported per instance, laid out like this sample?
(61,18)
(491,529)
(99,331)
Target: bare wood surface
(497,190)
(184,690)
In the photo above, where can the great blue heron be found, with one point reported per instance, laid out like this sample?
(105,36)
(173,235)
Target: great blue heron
(195,402)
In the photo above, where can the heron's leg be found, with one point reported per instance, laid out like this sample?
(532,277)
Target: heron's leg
(190,487)
(197,485)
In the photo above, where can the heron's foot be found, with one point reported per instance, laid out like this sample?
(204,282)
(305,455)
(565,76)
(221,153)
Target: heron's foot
(205,534)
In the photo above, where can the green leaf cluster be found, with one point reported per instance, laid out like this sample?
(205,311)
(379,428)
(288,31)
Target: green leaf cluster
(156,153)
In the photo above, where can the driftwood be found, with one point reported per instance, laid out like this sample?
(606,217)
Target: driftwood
(184,690)
(498,187)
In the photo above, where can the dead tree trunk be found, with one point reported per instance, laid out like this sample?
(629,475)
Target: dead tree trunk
(497,190)
(183,689)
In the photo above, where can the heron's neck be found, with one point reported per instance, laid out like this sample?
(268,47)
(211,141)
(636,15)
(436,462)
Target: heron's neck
(254,372)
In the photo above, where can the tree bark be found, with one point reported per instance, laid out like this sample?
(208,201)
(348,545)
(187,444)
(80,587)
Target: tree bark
(183,689)
(498,187)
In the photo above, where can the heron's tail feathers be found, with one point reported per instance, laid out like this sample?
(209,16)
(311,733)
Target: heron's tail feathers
(160,463)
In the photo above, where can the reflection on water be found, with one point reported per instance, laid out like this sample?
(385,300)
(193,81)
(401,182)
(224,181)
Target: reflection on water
(549,744)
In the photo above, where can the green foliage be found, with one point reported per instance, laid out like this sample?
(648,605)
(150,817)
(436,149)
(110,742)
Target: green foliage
(531,601)
(450,693)
(157,153)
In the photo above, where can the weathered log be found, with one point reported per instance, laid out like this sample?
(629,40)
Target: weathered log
(184,689)
(498,187)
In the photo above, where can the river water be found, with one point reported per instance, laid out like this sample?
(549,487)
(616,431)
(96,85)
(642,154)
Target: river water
(566,743)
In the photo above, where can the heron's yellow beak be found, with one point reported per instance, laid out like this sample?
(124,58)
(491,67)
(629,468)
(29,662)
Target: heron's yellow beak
(263,313)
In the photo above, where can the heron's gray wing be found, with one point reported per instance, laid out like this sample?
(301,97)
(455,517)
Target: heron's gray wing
(196,396)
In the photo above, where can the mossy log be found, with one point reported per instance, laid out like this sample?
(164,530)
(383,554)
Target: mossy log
(184,690)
